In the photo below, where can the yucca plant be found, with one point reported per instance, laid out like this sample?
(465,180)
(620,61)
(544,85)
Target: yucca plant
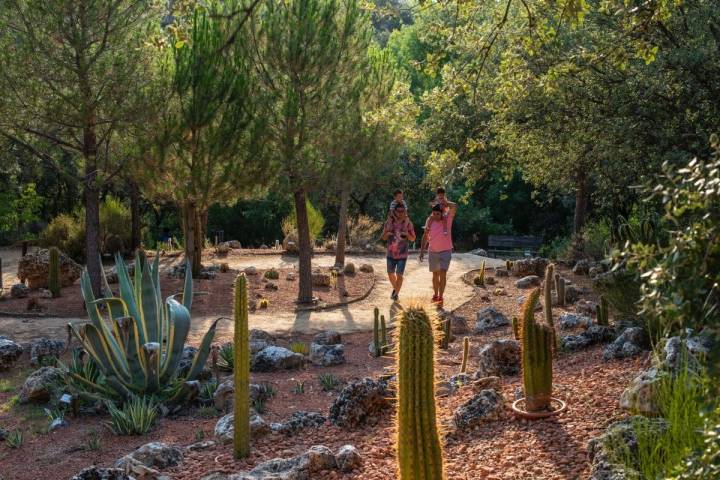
(14,439)
(226,357)
(328,381)
(136,416)
(139,343)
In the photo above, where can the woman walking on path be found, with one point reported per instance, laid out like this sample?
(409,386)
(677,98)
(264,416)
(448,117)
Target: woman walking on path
(398,232)
(438,237)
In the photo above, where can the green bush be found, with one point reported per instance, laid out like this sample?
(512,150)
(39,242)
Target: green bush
(680,279)
(558,248)
(705,463)
(315,220)
(594,241)
(66,232)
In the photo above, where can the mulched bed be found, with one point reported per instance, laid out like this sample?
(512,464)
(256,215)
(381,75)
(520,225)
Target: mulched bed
(511,448)
(216,298)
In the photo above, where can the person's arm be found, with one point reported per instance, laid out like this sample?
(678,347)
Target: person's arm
(452,208)
(424,241)
(411,232)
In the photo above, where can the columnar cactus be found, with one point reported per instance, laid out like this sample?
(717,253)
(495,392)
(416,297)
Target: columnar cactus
(466,353)
(54,275)
(446,335)
(516,328)
(508,265)
(242,370)
(560,289)
(418,445)
(536,350)
(376,332)
(383,335)
(547,310)
(602,312)
(480,278)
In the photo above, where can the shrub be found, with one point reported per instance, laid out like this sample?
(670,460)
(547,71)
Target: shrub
(328,381)
(67,233)
(593,242)
(705,463)
(135,417)
(362,230)
(558,248)
(300,347)
(272,274)
(315,220)
(680,279)
(115,228)
(226,357)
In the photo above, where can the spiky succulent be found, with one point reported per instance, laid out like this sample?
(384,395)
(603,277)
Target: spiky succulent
(137,339)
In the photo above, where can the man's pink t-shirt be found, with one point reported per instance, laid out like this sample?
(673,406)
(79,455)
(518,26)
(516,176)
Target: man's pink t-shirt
(437,240)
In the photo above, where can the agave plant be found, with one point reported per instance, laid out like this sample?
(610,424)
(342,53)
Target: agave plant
(137,339)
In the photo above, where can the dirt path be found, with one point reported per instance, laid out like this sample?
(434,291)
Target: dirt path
(354,317)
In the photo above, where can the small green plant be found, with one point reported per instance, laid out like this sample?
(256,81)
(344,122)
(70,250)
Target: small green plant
(226,357)
(207,391)
(267,390)
(208,411)
(258,404)
(14,439)
(135,417)
(466,353)
(54,414)
(93,441)
(199,435)
(6,386)
(328,381)
(272,274)
(300,347)
(298,388)
(54,273)
(601,312)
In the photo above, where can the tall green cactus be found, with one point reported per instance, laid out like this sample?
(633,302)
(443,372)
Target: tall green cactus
(547,310)
(241,370)
(480,278)
(560,289)
(602,312)
(508,265)
(383,335)
(536,358)
(466,353)
(376,332)
(419,452)
(54,274)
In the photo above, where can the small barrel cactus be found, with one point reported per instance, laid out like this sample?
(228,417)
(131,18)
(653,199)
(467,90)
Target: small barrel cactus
(419,452)
(241,370)
(54,274)
(466,353)
(536,349)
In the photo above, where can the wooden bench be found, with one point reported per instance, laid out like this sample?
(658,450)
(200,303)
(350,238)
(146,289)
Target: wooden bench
(513,246)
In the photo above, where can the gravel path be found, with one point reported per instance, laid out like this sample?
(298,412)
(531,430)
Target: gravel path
(351,318)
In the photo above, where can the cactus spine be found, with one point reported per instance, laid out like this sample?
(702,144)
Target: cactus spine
(383,335)
(241,370)
(536,358)
(601,312)
(466,353)
(376,332)
(560,289)
(547,310)
(516,328)
(54,275)
(419,452)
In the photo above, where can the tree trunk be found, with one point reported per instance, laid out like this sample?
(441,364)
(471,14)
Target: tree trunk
(92,218)
(192,231)
(580,201)
(305,294)
(342,228)
(135,239)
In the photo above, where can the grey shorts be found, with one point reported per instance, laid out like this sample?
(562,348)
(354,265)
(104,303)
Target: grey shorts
(439,261)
